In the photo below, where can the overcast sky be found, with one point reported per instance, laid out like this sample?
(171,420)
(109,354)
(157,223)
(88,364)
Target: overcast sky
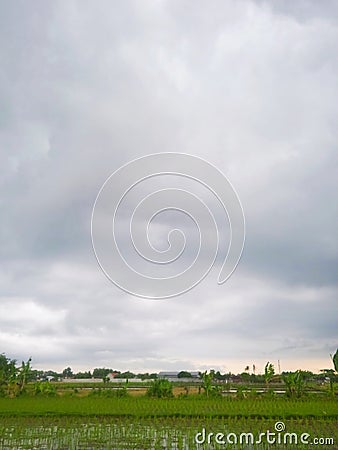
(250,86)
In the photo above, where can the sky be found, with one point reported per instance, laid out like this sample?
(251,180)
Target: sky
(251,87)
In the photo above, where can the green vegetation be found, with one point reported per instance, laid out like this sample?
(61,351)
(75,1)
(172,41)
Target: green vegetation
(45,388)
(119,392)
(144,406)
(97,421)
(331,374)
(160,389)
(13,379)
(335,361)
(184,374)
(294,382)
(269,372)
(207,379)
(208,385)
(159,414)
(143,434)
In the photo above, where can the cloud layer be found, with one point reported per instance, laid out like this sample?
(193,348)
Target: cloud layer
(248,86)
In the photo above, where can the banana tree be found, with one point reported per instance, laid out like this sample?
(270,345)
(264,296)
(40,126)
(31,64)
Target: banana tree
(23,374)
(269,372)
(207,381)
(331,373)
(294,383)
(335,360)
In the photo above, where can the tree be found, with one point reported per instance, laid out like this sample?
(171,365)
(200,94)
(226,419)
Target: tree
(24,373)
(219,376)
(245,376)
(331,373)
(102,372)
(269,372)
(7,368)
(13,379)
(294,382)
(184,374)
(335,360)
(51,373)
(127,375)
(82,375)
(7,373)
(67,373)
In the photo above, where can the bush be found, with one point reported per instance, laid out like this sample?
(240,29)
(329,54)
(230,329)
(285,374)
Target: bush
(44,388)
(160,389)
(110,393)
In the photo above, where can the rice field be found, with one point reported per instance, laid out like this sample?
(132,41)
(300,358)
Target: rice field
(142,423)
(160,433)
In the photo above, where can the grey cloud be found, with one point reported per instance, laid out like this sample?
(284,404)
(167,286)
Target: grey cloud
(249,86)
(304,10)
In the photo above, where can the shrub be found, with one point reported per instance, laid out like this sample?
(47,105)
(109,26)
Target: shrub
(294,383)
(44,388)
(160,389)
(110,393)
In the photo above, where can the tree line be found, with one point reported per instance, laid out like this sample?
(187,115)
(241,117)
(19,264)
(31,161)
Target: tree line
(14,377)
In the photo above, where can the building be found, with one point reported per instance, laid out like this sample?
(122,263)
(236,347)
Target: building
(173,377)
(81,380)
(113,378)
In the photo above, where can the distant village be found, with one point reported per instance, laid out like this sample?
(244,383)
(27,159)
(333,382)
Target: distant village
(102,375)
(117,377)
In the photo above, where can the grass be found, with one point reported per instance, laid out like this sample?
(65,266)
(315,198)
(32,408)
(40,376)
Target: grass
(191,406)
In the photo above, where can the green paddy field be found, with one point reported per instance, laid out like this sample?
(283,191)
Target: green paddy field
(191,422)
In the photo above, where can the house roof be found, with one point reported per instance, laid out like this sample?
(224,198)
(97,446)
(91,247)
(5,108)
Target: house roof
(174,374)
(168,374)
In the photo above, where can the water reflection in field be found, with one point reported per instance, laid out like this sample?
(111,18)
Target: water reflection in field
(67,433)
